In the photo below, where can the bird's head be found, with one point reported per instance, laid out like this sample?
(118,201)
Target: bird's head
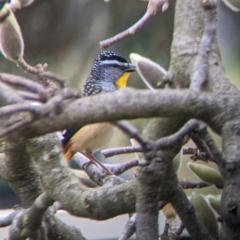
(110,72)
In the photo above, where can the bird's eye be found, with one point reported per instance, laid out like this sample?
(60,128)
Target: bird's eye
(115,66)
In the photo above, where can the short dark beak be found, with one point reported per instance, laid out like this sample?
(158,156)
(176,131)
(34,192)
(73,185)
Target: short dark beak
(129,67)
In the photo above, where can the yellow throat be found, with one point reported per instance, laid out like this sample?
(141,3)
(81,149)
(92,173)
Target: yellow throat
(122,81)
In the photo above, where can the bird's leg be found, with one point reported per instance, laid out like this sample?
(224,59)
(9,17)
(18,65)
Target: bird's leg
(96,162)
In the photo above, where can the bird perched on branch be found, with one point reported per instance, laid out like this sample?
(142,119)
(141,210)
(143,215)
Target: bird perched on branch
(109,73)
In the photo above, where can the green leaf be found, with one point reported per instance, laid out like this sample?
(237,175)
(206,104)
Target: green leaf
(206,173)
(205,214)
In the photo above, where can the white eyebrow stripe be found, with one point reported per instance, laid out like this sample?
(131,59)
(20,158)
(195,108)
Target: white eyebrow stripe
(111,62)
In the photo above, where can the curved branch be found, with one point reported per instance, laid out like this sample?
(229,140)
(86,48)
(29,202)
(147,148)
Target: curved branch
(125,104)
(98,203)
(130,31)
(29,222)
(153,7)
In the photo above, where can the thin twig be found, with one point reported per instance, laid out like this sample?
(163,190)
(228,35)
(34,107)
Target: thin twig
(120,150)
(19,107)
(28,68)
(163,142)
(37,110)
(186,129)
(119,168)
(189,150)
(180,229)
(216,155)
(38,71)
(201,145)
(13,127)
(54,104)
(56,78)
(132,132)
(185,184)
(95,172)
(130,31)
(164,235)
(30,96)
(130,226)
(175,233)
(196,153)
(153,7)
(22,82)
(206,145)
(203,156)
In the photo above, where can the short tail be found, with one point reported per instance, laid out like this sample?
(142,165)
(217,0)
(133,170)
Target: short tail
(68,153)
(66,142)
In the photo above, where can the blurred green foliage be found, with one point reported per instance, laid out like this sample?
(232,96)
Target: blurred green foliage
(229,41)
(66,34)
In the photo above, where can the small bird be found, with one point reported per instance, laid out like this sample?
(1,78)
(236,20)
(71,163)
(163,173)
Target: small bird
(109,73)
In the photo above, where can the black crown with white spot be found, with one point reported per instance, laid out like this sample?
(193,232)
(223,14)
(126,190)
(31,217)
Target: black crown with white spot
(110,55)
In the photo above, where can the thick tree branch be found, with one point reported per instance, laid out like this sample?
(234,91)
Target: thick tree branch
(230,171)
(149,179)
(168,188)
(21,173)
(218,107)
(185,46)
(97,203)
(29,222)
(201,66)
(125,104)
(186,213)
